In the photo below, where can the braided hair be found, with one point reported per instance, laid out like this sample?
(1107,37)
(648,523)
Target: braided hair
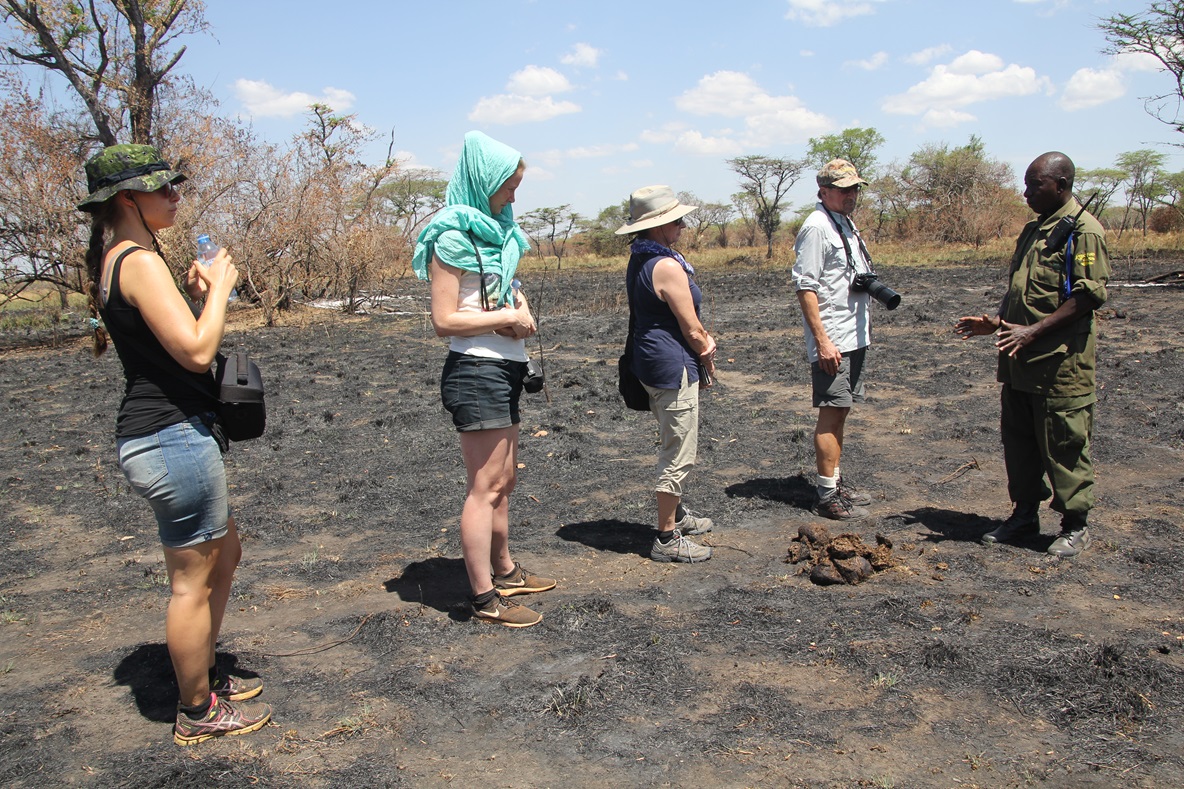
(100,223)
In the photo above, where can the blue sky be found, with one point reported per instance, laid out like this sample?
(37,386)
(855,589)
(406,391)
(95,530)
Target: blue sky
(604,97)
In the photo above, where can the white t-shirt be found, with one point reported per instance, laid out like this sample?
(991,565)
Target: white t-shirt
(490,346)
(822,267)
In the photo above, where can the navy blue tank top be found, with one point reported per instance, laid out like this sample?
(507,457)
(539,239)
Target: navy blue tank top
(660,352)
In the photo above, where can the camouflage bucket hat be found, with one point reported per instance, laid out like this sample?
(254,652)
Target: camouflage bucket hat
(840,173)
(128,166)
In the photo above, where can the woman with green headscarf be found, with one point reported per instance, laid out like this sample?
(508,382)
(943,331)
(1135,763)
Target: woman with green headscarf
(470,251)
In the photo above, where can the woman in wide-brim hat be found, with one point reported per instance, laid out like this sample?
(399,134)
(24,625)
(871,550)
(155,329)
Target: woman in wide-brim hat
(673,356)
(163,430)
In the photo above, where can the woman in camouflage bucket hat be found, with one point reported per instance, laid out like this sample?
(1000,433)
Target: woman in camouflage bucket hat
(163,430)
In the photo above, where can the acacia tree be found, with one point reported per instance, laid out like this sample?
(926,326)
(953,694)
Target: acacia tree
(856,145)
(114,54)
(599,234)
(1143,168)
(766,180)
(411,197)
(716,215)
(551,228)
(1104,182)
(746,223)
(1159,32)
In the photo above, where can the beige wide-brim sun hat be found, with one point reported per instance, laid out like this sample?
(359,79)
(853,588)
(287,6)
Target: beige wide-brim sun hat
(653,206)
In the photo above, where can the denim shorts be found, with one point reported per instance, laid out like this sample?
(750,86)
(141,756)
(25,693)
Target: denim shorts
(179,470)
(843,389)
(481,393)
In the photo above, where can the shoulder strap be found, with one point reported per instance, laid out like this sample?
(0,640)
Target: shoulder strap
(113,286)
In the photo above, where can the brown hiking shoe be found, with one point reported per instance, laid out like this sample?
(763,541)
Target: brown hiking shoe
(505,612)
(521,582)
(222,719)
(853,495)
(839,508)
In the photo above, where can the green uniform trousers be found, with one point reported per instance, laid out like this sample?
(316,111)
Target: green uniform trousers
(1048,437)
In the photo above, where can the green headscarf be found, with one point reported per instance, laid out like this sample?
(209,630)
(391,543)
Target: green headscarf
(485,164)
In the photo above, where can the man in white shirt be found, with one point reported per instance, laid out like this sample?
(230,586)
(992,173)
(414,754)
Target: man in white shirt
(837,320)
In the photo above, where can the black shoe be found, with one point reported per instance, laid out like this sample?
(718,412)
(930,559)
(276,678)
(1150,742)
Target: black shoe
(1024,521)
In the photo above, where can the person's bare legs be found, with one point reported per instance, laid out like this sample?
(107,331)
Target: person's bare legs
(828,439)
(189,628)
(229,555)
(491,463)
(667,510)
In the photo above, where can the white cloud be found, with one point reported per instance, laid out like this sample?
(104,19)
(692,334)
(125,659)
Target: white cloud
(928,55)
(598,151)
(1090,87)
(825,13)
(554,157)
(970,78)
(1137,61)
(869,64)
(975,62)
(537,81)
(695,144)
(510,109)
(582,56)
(768,119)
(529,98)
(945,118)
(621,76)
(262,100)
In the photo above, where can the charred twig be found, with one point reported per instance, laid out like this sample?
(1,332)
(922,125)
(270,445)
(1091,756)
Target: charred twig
(953,475)
(323,647)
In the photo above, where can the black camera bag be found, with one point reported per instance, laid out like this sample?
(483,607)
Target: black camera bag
(242,412)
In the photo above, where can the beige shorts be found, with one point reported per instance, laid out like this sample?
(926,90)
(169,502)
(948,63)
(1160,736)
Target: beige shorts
(677,411)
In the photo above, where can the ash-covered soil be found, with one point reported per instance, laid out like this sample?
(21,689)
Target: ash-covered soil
(959,666)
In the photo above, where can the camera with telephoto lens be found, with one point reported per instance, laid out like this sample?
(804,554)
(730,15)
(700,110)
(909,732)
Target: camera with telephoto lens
(533,379)
(870,283)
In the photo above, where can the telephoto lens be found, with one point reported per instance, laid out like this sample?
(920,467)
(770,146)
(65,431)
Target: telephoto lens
(882,293)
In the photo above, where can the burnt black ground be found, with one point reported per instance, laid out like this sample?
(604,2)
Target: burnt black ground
(963,666)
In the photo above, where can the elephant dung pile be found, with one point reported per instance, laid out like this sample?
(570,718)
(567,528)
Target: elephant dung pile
(838,560)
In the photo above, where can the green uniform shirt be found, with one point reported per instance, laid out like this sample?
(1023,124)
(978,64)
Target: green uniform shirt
(1059,363)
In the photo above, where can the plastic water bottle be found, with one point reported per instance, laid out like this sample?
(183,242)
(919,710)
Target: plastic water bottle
(207,250)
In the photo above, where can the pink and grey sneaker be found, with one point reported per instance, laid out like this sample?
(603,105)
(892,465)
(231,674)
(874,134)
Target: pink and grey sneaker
(236,688)
(223,718)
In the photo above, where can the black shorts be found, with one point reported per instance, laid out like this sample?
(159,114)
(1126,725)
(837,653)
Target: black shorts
(481,393)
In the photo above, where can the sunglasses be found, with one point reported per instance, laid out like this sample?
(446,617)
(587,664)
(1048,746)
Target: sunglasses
(680,222)
(168,191)
(846,189)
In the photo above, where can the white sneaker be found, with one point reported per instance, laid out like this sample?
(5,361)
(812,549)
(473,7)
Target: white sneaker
(679,549)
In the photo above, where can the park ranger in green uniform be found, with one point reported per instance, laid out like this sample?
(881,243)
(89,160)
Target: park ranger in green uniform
(1046,340)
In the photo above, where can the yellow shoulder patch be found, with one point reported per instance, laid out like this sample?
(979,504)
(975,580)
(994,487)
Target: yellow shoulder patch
(1085,258)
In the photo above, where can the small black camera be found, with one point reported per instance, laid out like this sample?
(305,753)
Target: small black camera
(533,379)
(877,290)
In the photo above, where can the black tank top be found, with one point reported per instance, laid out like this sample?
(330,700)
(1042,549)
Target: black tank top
(159,392)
